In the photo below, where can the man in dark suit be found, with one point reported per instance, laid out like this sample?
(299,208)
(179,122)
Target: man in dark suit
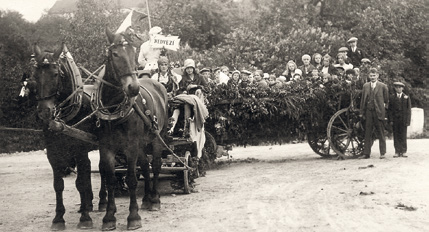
(399,116)
(354,54)
(374,101)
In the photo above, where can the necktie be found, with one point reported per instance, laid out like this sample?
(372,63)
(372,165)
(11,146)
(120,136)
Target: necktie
(399,95)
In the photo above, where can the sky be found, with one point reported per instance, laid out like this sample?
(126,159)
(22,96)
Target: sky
(31,10)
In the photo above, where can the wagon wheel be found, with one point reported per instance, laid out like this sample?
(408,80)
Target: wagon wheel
(186,174)
(345,133)
(318,141)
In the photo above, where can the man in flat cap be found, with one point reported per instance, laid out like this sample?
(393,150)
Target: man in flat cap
(206,73)
(354,54)
(399,116)
(374,101)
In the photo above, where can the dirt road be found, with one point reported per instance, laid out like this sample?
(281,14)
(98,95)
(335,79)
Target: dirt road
(279,188)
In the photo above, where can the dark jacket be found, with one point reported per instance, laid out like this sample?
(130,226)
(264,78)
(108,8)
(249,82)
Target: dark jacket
(198,80)
(306,73)
(355,57)
(381,99)
(399,110)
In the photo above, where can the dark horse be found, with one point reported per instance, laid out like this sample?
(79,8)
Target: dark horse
(125,129)
(57,77)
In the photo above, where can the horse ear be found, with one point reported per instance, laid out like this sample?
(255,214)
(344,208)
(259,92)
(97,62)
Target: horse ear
(65,48)
(58,52)
(110,35)
(36,50)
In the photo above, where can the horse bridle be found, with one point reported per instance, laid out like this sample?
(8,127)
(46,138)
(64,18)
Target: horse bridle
(57,92)
(110,60)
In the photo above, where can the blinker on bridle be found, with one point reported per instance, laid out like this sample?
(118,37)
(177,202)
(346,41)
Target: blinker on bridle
(57,93)
(122,43)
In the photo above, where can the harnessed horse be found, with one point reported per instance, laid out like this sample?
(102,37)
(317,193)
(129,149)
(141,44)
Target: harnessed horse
(59,97)
(135,115)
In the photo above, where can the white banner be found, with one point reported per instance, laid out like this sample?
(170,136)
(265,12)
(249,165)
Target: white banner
(167,42)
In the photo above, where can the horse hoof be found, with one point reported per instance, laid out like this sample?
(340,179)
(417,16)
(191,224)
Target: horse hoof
(85,225)
(155,207)
(134,224)
(108,226)
(102,208)
(146,205)
(58,226)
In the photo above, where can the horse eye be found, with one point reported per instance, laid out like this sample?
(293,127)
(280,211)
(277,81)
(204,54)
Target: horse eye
(115,54)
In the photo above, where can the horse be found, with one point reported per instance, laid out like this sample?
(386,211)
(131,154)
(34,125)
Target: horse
(57,77)
(125,129)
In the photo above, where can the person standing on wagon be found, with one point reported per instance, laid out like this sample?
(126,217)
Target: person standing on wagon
(148,55)
(399,115)
(374,101)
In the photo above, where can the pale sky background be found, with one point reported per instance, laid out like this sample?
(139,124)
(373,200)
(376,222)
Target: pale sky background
(30,9)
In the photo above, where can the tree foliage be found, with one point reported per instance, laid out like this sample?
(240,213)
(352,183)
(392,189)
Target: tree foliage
(245,34)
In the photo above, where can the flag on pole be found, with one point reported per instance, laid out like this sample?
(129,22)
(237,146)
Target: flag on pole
(132,21)
(129,25)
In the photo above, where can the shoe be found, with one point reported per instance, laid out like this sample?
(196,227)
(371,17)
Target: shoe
(403,155)
(382,156)
(363,157)
(396,155)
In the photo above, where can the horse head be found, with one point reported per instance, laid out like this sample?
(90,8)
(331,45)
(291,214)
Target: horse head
(121,58)
(48,83)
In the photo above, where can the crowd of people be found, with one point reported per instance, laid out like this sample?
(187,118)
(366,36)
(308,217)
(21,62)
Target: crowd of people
(349,65)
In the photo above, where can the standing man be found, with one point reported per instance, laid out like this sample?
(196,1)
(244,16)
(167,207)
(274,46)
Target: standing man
(374,101)
(354,54)
(399,115)
(148,56)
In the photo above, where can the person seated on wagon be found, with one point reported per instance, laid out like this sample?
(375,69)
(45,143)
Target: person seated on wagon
(191,90)
(259,80)
(170,80)
(235,78)
(206,73)
(244,79)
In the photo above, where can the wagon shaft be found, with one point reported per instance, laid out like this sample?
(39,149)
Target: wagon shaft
(72,132)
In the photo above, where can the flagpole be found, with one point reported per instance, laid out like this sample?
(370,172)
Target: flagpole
(148,14)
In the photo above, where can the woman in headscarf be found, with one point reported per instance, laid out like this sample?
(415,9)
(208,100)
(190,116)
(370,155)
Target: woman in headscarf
(166,77)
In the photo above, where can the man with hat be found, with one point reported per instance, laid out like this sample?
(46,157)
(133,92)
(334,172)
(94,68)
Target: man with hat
(354,54)
(374,101)
(148,56)
(244,77)
(206,74)
(399,116)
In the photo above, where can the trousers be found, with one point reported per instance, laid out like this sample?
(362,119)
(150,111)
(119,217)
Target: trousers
(372,123)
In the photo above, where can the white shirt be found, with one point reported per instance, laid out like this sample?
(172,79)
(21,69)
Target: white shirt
(148,56)
(325,69)
(399,95)
(373,84)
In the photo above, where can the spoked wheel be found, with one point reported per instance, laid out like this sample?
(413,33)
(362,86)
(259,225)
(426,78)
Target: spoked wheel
(318,141)
(346,134)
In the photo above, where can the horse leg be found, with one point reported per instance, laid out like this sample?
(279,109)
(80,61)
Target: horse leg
(156,168)
(107,169)
(102,204)
(83,185)
(134,219)
(144,165)
(59,223)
